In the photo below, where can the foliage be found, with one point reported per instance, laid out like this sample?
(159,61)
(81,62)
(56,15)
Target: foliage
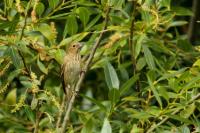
(145,76)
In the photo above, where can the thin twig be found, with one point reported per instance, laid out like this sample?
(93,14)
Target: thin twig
(153,127)
(38,115)
(21,36)
(60,113)
(82,76)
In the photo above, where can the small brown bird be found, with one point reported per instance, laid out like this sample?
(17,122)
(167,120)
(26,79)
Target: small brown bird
(71,68)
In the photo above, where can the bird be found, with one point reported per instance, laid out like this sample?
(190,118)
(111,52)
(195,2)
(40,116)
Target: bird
(71,68)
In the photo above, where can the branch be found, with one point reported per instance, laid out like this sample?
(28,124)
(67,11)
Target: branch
(60,113)
(86,67)
(38,115)
(191,30)
(131,45)
(22,34)
(153,127)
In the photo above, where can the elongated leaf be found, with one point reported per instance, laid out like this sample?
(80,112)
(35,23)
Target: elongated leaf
(46,30)
(171,75)
(53,3)
(11,97)
(42,66)
(127,85)
(181,11)
(30,114)
(84,15)
(106,127)
(76,37)
(156,94)
(149,57)
(138,46)
(191,84)
(114,96)
(180,118)
(111,76)
(40,8)
(99,104)
(16,59)
(71,25)
(92,22)
(14,74)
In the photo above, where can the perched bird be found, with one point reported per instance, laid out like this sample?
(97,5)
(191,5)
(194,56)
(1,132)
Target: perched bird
(71,68)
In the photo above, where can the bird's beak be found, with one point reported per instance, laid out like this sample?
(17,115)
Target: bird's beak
(80,45)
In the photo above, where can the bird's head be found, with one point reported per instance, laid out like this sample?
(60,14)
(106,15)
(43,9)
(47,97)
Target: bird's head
(74,47)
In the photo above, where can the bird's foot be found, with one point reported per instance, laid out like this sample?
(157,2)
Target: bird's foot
(83,71)
(74,93)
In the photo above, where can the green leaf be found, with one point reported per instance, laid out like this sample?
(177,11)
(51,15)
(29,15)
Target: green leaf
(191,84)
(180,118)
(184,129)
(42,66)
(71,26)
(16,59)
(58,55)
(106,127)
(34,103)
(127,85)
(178,23)
(152,87)
(53,3)
(181,11)
(92,22)
(188,111)
(88,126)
(141,115)
(165,3)
(14,74)
(46,30)
(114,96)
(141,63)
(76,37)
(140,40)
(172,74)
(40,8)
(29,113)
(149,57)
(84,15)
(98,103)
(184,45)
(11,97)
(111,76)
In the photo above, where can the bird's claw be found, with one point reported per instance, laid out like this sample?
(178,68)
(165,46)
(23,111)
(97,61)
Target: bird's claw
(74,93)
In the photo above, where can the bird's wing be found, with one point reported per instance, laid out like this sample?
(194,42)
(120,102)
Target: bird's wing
(62,70)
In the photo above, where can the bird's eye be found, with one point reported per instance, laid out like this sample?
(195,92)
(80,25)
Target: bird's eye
(73,46)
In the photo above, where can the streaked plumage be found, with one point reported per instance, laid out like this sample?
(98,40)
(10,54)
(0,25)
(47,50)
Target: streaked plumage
(71,68)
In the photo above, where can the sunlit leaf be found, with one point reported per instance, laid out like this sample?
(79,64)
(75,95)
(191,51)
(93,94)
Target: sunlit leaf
(149,57)
(106,127)
(53,3)
(71,26)
(111,76)
(155,92)
(127,85)
(84,15)
(40,8)
(42,66)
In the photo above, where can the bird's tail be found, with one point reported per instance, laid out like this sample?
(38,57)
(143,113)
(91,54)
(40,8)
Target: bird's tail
(68,90)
